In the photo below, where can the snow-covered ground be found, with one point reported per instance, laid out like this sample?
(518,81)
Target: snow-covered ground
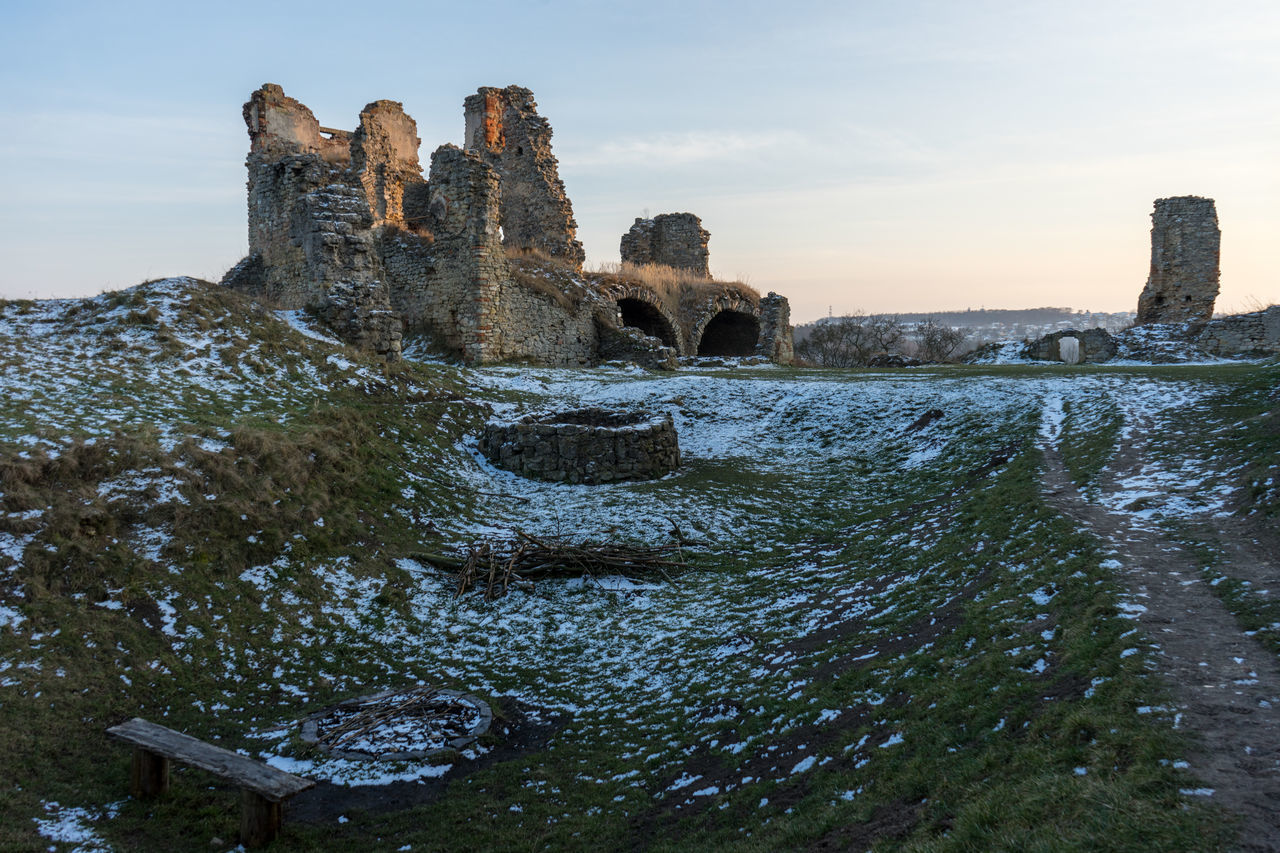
(778,465)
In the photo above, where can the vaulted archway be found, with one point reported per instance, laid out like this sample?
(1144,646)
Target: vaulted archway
(730,333)
(648,319)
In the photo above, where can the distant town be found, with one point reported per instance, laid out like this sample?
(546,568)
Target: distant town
(983,325)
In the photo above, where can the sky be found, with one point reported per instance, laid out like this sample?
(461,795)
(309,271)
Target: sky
(873,156)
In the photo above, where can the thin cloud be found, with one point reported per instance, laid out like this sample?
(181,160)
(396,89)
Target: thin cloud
(678,149)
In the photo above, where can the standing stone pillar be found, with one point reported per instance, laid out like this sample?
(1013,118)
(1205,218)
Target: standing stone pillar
(1185,245)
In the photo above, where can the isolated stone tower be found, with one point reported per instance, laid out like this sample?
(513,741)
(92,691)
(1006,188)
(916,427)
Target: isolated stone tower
(1185,244)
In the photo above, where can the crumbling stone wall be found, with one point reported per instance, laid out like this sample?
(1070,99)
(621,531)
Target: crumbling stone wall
(1253,334)
(451,288)
(344,224)
(460,289)
(671,327)
(288,158)
(384,156)
(777,339)
(672,239)
(1185,246)
(1093,346)
(309,232)
(332,226)
(503,127)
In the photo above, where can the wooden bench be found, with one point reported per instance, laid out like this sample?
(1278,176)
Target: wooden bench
(263,788)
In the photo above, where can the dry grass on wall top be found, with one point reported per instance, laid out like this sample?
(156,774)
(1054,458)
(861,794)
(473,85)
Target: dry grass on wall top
(677,288)
(542,273)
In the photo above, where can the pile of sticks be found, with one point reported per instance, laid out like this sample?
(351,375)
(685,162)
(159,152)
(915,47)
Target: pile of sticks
(496,568)
(440,715)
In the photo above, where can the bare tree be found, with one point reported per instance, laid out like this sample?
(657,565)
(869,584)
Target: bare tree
(935,341)
(885,333)
(851,341)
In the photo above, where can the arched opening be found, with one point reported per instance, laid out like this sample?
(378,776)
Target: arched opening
(730,333)
(646,318)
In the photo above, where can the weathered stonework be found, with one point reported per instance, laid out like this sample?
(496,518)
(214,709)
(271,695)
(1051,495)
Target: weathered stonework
(384,156)
(332,226)
(343,224)
(503,127)
(1091,346)
(1254,334)
(461,289)
(776,340)
(584,446)
(360,313)
(672,239)
(1185,246)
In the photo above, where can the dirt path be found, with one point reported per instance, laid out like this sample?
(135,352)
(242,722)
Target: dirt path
(1227,686)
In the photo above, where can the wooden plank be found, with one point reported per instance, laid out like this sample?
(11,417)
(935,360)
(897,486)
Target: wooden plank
(262,779)
(260,819)
(150,774)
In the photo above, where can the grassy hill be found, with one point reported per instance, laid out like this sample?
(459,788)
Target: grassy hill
(215,518)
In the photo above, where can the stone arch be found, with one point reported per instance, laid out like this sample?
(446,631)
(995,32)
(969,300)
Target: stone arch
(646,317)
(642,308)
(730,333)
(734,305)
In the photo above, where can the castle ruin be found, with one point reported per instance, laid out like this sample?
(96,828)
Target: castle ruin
(480,255)
(1181,292)
(1185,246)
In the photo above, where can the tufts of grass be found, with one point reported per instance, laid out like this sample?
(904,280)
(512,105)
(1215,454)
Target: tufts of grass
(552,277)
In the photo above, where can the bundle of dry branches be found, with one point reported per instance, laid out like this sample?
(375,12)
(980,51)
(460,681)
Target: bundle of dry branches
(423,704)
(496,568)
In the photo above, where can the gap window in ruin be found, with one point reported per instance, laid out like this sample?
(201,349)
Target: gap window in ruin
(730,333)
(646,318)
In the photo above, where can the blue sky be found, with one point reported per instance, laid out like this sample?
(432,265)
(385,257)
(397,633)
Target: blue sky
(877,156)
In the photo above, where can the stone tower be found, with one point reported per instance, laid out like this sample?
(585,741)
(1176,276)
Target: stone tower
(504,128)
(1185,244)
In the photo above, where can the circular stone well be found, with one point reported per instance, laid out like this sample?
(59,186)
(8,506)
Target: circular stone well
(584,445)
(398,725)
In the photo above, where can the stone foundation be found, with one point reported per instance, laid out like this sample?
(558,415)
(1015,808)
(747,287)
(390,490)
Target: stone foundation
(584,446)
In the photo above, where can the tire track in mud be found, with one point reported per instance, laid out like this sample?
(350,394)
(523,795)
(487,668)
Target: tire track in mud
(1226,684)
